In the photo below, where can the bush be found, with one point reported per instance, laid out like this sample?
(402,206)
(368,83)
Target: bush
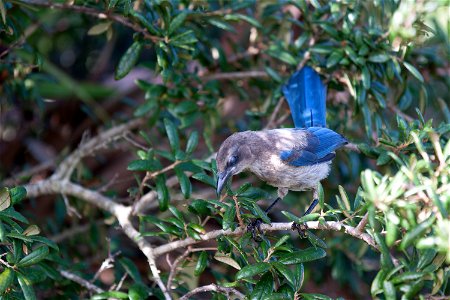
(203,70)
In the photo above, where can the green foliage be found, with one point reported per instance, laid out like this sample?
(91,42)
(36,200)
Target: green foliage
(25,255)
(388,94)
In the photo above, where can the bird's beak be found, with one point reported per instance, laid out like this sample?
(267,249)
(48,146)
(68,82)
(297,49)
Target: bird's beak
(222,180)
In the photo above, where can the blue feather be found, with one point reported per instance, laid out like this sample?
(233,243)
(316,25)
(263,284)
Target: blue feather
(306,96)
(320,147)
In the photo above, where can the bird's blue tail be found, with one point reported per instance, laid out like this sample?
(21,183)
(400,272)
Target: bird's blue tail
(306,96)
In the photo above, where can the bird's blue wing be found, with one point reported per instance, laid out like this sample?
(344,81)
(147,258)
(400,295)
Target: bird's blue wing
(319,147)
(306,96)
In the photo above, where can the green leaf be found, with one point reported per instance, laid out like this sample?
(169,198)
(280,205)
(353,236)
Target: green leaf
(176,22)
(131,269)
(172,134)
(379,58)
(413,71)
(248,19)
(99,28)
(228,217)
(205,179)
(261,214)
(227,260)
(334,58)
(321,195)
(110,294)
(163,192)
(128,60)
(344,198)
(286,273)
(201,263)
(3,11)
(192,142)
(2,232)
(263,288)
(27,287)
(6,279)
(273,74)
(34,257)
(384,158)
(143,20)
(252,270)
(389,290)
(281,241)
(200,207)
(294,218)
(31,230)
(407,276)
(299,274)
(5,199)
(412,235)
(220,24)
(315,240)
(185,184)
(112,3)
(302,256)
(138,291)
(45,241)
(17,193)
(365,75)
(143,165)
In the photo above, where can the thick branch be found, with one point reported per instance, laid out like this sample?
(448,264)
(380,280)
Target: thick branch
(330,225)
(121,212)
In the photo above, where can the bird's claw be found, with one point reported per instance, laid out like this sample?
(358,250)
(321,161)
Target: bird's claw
(301,229)
(254,227)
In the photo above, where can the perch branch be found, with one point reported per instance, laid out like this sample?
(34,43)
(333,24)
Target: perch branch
(314,225)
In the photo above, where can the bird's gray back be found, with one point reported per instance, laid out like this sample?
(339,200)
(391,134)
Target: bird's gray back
(266,147)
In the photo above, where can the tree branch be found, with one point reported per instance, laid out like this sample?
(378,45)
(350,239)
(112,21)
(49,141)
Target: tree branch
(234,75)
(315,225)
(214,288)
(83,282)
(94,13)
(66,167)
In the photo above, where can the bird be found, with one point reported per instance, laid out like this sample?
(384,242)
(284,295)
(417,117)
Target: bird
(295,159)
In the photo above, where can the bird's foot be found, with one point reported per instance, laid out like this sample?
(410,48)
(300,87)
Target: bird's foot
(254,228)
(301,229)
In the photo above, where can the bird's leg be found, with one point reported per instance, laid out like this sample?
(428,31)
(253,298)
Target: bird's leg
(254,227)
(272,205)
(301,228)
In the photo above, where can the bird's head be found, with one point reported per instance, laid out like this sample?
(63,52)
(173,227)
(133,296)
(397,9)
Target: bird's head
(234,156)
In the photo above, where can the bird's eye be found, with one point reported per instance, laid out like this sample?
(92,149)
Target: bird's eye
(233,160)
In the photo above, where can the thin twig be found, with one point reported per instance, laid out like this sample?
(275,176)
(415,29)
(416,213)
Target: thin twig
(66,167)
(271,122)
(83,282)
(94,13)
(174,267)
(214,288)
(238,212)
(234,75)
